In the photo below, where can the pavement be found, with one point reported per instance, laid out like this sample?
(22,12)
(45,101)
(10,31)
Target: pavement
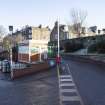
(4,76)
(38,89)
(78,83)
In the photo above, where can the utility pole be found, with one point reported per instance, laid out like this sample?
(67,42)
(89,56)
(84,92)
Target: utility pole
(58,58)
(58,37)
(11,32)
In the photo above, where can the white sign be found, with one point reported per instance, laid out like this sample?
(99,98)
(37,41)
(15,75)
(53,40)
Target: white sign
(23,49)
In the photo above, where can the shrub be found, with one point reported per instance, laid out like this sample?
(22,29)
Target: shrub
(97,47)
(72,46)
(92,48)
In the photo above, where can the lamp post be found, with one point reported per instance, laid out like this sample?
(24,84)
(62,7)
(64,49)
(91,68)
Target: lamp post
(58,58)
(58,38)
(11,32)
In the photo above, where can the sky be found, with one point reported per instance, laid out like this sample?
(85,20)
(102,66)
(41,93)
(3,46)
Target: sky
(35,12)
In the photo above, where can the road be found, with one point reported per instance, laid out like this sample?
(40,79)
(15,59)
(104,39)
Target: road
(82,84)
(90,81)
(38,89)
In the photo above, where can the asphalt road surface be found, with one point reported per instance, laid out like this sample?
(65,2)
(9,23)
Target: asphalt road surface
(38,89)
(42,88)
(89,79)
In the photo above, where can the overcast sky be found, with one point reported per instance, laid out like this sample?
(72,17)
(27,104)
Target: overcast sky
(34,12)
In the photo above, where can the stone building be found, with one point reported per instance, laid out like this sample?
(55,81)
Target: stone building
(39,33)
(36,33)
(63,34)
(85,31)
(76,31)
(27,33)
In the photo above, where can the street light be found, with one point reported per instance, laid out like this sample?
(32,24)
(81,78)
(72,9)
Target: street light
(58,38)
(58,58)
(11,31)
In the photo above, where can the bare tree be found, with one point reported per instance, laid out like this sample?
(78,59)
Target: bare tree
(78,18)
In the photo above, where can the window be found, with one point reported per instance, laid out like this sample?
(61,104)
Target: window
(30,36)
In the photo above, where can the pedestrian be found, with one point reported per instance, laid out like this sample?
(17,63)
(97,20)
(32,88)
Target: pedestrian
(58,60)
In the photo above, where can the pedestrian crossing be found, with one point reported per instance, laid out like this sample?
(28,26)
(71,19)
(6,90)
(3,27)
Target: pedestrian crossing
(70,98)
(66,79)
(69,94)
(68,91)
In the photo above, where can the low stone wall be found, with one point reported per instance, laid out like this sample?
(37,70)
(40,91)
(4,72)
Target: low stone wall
(30,70)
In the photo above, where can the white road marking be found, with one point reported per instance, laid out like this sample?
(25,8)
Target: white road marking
(68,90)
(65,79)
(67,84)
(70,98)
(61,76)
